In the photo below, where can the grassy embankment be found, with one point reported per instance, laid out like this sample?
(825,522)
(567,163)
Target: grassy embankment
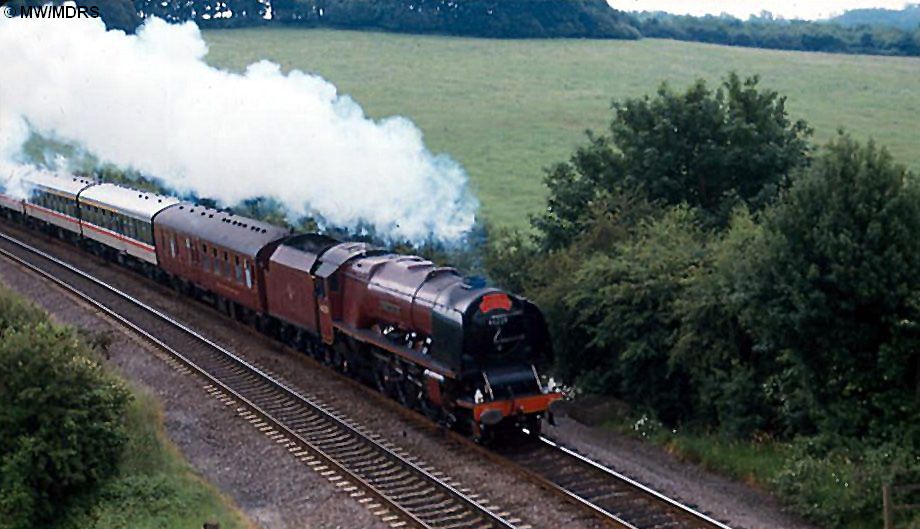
(153,486)
(506,109)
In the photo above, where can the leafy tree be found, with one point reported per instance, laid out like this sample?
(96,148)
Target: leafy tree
(836,297)
(117,14)
(764,31)
(624,303)
(61,425)
(726,373)
(707,149)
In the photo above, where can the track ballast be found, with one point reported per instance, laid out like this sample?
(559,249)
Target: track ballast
(404,494)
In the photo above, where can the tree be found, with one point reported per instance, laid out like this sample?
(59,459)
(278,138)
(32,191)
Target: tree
(117,14)
(835,299)
(707,149)
(61,427)
(712,345)
(624,303)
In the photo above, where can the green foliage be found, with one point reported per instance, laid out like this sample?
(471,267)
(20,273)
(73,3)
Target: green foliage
(480,18)
(727,375)
(624,305)
(707,149)
(768,32)
(77,450)
(61,429)
(763,314)
(154,487)
(837,482)
(834,297)
(703,147)
(519,19)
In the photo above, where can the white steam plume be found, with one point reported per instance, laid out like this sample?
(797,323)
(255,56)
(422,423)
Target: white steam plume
(149,102)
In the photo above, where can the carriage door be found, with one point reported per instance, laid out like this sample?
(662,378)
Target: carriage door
(191,249)
(324,308)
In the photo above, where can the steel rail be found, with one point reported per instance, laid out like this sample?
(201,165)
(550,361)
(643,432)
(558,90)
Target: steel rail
(688,517)
(458,511)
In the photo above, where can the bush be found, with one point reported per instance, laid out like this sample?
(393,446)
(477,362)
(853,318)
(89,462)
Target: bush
(624,304)
(835,296)
(837,482)
(61,428)
(713,346)
(710,149)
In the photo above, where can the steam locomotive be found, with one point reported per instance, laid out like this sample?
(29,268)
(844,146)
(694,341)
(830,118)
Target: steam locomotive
(462,353)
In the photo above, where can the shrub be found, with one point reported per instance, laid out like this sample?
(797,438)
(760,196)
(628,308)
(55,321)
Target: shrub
(837,482)
(61,428)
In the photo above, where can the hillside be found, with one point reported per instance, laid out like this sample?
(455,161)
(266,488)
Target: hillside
(506,109)
(906,19)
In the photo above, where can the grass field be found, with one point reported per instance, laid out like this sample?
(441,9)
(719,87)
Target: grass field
(506,109)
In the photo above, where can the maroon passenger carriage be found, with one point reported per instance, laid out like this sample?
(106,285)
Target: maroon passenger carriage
(218,255)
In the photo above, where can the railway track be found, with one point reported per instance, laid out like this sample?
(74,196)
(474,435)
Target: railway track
(399,491)
(618,499)
(612,497)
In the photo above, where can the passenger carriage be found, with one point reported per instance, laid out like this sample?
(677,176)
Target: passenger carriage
(122,218)
(217,252)
(52,198)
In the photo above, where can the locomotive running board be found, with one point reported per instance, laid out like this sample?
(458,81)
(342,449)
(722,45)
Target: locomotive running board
(413,356)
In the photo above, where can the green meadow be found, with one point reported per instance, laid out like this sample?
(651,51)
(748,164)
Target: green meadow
(508,108)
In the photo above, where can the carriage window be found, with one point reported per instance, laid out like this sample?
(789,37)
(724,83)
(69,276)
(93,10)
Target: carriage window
(188,244)
(172,247)
(239,270)
(216,261)
(248,274)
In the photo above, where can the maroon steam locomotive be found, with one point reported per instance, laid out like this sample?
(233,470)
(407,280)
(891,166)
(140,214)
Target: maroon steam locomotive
(461,352)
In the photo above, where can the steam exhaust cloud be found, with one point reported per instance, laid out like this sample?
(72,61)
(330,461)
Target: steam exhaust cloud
(150,103)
